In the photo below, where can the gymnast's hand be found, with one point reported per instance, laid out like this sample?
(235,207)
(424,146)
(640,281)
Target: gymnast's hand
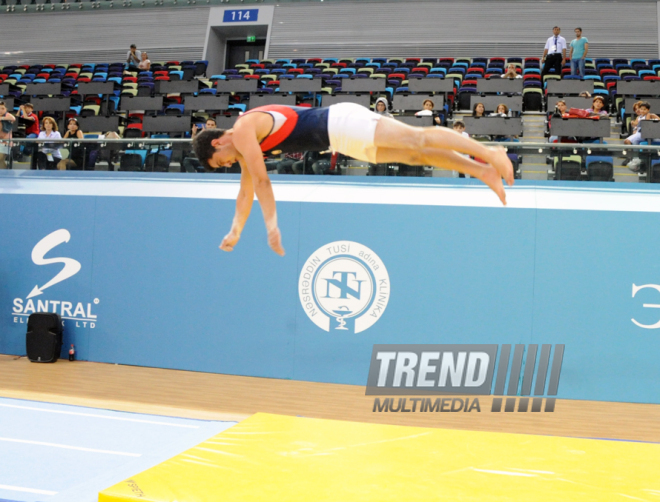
(229,241)
(275,241)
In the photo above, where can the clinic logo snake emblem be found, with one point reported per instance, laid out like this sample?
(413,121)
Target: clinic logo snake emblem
(344,287)
(51,241)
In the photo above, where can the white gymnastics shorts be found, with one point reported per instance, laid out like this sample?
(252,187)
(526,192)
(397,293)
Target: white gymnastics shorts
(351,130)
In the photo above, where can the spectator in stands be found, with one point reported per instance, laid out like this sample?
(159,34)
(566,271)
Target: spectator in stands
(478,110)
(578,53)
(502,111)
(133,56)
(77,153)
(109,154)
(26,113)
(427,110)
(192,164)
(29,118)
(554,54)
(560,109)
(49,155)
(145,64)
(598,107)
(560,112)
(511,72)
(382,107)
(7,120)
(209,124)
(643,111)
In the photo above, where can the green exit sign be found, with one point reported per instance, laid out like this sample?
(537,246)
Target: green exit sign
(252,38)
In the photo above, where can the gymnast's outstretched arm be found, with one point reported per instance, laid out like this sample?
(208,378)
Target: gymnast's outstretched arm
(243,208)
(252,160)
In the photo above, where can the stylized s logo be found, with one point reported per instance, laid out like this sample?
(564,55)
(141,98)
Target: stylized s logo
(71,266)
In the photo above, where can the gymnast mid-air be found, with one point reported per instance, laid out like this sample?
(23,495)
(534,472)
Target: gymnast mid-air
(345,128)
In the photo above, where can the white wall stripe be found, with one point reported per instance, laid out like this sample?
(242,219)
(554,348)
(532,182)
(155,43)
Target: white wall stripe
(477,195)
(123,419)
(27,490)
(68,447)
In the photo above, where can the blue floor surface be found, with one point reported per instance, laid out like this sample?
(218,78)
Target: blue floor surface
(58,453)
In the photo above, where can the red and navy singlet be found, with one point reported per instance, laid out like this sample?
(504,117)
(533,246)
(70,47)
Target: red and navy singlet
(295,129)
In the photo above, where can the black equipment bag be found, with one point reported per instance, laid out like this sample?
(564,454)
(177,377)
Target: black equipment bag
(44,337)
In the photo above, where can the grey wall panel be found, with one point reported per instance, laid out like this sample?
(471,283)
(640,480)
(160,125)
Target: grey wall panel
(467,28)
(166,34)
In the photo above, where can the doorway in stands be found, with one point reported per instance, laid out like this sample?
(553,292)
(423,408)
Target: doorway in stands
(239,51)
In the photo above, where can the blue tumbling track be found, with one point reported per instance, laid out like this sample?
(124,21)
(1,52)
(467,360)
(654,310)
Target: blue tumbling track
(57,453)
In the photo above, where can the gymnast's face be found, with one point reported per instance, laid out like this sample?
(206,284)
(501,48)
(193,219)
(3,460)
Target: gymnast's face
(225,153)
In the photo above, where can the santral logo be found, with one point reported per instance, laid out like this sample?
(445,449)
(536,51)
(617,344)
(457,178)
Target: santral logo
(344,286)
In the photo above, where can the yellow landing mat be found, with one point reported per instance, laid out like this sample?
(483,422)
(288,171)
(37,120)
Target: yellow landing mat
(279,458)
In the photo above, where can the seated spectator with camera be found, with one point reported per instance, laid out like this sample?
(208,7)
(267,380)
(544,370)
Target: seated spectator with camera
(192,164)
(511,72)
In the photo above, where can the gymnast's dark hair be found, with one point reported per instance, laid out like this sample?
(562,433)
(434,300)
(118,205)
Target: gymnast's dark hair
(203,147)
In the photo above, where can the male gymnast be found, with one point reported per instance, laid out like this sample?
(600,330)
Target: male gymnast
(346,128)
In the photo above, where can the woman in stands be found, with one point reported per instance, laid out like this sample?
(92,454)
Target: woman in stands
(7,120)
(502,111)
(144,64)
(49,155)
(478,110)
(427,110)
(560,111)
(598,107)
(77,154)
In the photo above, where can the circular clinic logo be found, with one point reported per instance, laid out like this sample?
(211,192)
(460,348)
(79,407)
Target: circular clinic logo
(344,286)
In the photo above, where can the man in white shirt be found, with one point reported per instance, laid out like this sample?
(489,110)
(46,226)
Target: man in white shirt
(554,54)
